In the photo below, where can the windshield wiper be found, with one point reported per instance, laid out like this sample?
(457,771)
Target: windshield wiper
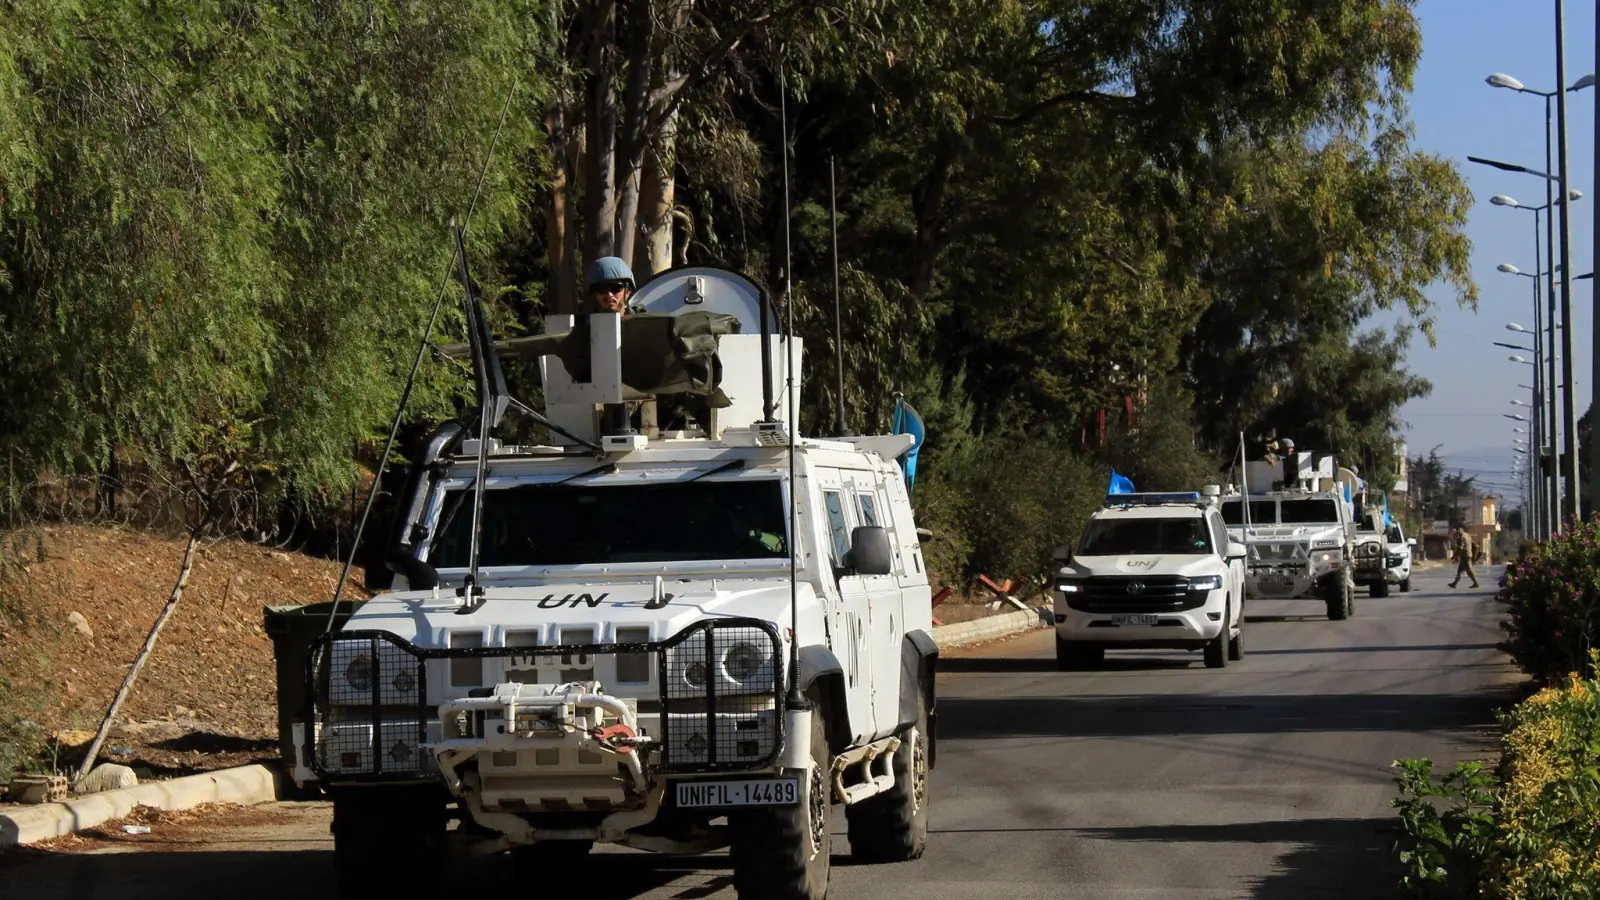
(733,464)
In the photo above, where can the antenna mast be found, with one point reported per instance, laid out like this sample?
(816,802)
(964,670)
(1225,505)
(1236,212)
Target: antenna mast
(840,429)
(795,700)
(416,366)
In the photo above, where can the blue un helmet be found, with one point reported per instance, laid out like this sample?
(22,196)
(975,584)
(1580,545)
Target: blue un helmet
(607,268)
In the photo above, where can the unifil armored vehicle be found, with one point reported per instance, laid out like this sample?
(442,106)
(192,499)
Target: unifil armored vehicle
(675,625)
(1295,518)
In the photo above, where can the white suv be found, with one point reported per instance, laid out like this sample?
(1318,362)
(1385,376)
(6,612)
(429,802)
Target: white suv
(1399,547)
(1151,571)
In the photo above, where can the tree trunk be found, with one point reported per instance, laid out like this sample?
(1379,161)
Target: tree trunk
(659,195)
(635,111)
(927,200)
(558,246)
(600,186)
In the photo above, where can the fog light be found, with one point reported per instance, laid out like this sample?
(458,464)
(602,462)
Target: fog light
(696,744)
(1215,617)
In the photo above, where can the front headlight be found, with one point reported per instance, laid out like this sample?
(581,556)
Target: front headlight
(1206,583)
(358,674)
(744,661)
(1326,558)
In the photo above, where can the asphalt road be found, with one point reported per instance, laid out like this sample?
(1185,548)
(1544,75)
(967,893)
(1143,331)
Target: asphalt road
(1152,778)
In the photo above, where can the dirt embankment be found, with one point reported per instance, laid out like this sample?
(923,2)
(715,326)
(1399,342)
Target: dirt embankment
(77,602)
(76,605)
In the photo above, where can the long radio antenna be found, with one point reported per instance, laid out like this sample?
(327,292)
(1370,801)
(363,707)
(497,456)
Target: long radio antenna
(840,429)
(795,700)
(416,366)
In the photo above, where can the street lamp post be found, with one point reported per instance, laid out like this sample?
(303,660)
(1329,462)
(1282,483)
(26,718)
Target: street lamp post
(1548,439)
(1501,80)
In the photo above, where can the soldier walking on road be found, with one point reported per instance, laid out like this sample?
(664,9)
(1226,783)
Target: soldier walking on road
(1461,550)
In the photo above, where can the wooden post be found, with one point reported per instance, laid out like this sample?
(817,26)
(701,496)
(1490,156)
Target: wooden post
(144,655)
(207,511)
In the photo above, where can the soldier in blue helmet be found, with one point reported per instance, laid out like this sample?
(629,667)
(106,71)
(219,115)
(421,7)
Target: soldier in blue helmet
(610,284)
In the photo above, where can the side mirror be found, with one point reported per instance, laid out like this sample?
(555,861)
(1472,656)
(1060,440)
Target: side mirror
(420,576)
(1062,553)
(870,552)
(924,535)
(1411,542)
(1236,551)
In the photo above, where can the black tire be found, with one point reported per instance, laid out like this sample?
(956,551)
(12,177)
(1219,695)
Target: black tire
(1236,644)
(1380,589)
(374,827)
(783,852)
(1405,585)
(1338,600)
(893,826)
(1072,656)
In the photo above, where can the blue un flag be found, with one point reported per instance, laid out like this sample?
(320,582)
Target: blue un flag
(906,421)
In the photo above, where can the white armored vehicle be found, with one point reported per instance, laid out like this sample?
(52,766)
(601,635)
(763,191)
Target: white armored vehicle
(1298,527)
(676,627)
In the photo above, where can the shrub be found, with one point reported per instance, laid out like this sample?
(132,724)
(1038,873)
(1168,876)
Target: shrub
(1553,603)
(1530,832)
(1547,830)
(1443,853)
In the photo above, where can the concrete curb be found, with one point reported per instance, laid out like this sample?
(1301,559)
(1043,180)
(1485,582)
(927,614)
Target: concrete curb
(244,785)
(987,628)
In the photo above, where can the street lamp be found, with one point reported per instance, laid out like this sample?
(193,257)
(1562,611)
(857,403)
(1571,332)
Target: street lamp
(1548,496)
(1569,412)
(1517,359)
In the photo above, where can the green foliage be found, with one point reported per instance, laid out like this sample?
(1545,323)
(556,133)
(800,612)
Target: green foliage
(1443,852)
(225,225)
(1552,597)
(1528,831)
(222,229)
(1547,841)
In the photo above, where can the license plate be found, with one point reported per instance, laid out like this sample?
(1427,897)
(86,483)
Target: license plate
(1275,577)
(722,794)
(1134,620)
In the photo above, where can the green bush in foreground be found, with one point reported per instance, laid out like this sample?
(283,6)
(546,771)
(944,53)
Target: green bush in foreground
(1531,830)
(1553,603)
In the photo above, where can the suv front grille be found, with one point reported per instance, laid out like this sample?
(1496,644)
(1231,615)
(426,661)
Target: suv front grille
(1135,594)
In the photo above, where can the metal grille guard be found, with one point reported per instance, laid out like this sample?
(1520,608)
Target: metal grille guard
(368,693)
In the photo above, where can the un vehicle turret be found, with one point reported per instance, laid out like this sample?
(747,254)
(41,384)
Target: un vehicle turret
(673,625)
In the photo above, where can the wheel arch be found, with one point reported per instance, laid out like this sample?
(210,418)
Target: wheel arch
(822,676)
(919,663)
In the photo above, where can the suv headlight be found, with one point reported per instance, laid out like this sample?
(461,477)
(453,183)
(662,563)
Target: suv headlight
(1206,583)
(1326,557)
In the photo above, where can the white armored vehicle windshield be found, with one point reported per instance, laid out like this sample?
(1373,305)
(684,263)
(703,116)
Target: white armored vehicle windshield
(676,627)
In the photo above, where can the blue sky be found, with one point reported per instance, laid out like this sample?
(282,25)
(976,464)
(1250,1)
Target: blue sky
(1456,115)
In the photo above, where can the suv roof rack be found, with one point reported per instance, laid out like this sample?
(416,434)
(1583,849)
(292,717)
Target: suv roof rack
(1185,498)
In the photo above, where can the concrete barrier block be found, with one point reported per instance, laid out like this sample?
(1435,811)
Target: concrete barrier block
(244,785)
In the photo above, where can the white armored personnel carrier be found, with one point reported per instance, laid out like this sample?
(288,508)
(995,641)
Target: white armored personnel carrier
(1296,521)
(677,626)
